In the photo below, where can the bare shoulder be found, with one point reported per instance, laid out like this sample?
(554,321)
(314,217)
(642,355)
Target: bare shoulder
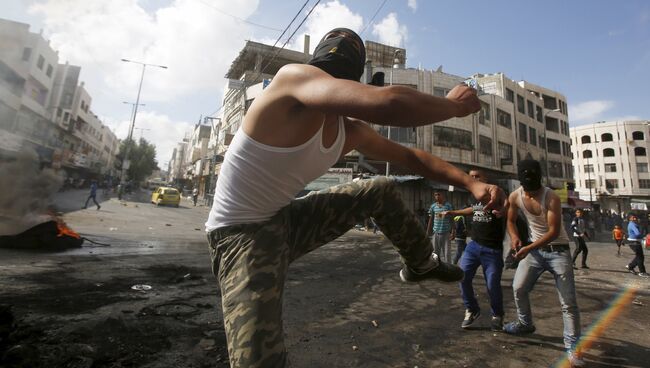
(513,199)
(553,200)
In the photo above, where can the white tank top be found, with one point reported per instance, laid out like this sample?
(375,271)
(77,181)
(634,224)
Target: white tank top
(256,180)
(538,224)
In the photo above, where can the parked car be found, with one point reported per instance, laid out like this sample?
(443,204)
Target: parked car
(166,196)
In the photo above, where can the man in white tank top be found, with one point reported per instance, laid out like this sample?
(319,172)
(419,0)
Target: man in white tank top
(548,251)
(303,122)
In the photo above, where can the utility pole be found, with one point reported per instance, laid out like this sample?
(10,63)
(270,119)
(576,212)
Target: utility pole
(396,64)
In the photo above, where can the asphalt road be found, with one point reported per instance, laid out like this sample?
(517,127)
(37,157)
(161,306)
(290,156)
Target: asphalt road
(344,306)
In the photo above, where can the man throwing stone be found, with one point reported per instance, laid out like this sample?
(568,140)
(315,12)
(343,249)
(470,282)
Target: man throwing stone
(303,122)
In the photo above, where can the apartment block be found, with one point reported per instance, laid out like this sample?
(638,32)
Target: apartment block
(612,164)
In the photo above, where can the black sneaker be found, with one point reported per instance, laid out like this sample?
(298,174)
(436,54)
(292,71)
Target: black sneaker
(443,271)
(518,328)
(585,266)
(643,274)
(496,324)
(470,317)
(630,270)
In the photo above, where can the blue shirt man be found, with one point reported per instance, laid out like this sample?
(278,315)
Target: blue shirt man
(92,195)
(634,237)
(440,224)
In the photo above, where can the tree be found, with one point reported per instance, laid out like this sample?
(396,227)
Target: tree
(143,159)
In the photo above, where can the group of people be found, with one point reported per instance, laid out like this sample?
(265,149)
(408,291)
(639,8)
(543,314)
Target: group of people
(303,122)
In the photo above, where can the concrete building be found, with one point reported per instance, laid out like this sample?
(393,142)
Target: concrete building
(611,164)
(44,106)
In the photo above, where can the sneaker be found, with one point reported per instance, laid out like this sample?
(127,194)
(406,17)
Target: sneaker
(643,274)
(585,266)
(575,359)
(518,328)
(443,271)
(470,317)
(630,270)
(98,207)
(496,324)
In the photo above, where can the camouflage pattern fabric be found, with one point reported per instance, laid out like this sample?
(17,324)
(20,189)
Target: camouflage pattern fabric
(251,260)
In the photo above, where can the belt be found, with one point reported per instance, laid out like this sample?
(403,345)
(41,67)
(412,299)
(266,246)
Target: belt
(555,247)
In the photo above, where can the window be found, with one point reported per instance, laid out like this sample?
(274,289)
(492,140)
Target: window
(49,70)
(505,153)
(523,132)
(587,154)
(485,145)
(542,142)
(484,116)
(639,151)
(510,95)
(644,183)
(538,113)
(552,124)
(521,107)
(611,183)
(554,146)
(610,167)
(504,119)
(399,134)
(440,92)
(585,139)
(452,137)
(641,167)
(555,169)
(609,152)
(589,168)
(27,53)
(637,136)
(590,184)
(531,109)
(41,61)
(532,134)
(606,137)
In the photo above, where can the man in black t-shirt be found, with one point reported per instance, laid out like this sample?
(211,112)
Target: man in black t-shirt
(485,250)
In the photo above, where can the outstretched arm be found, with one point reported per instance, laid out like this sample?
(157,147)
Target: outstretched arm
(394,105)
(366,140)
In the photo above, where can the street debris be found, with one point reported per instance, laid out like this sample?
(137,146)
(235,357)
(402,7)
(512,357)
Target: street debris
(374,323)
(355,348)
(168,224)
(637,302)
(141,287)
(112,229)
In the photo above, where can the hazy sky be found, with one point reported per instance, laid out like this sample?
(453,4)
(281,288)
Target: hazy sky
(597,53)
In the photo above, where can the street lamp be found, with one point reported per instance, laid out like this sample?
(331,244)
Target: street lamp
(546,144)
(135,112)
(396,64)
(132,108)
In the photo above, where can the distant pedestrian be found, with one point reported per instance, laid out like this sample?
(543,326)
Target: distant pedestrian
(634,237)
(617,236)
(579,229)
(460,236)
(439,226)
(195,196)
(92,195)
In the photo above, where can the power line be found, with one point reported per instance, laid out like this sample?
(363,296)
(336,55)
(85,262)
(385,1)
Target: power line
(236,17)
(373,17)
(276,42)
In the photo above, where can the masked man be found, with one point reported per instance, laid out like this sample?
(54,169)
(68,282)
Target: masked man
(304,121)
(548,251)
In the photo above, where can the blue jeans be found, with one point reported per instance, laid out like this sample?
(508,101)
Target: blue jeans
(492,262)
(561,266)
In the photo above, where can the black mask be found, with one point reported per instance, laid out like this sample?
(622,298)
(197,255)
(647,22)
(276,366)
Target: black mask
(530,175)
(338,57)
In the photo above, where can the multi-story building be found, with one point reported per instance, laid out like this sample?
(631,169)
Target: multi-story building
(43,106)
(611,164)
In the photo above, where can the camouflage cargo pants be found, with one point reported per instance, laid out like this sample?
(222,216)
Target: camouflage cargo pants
(251,260)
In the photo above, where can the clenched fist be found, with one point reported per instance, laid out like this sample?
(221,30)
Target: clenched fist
(465,99)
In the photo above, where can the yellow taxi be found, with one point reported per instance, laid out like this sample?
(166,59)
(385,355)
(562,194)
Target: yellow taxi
(166,195)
